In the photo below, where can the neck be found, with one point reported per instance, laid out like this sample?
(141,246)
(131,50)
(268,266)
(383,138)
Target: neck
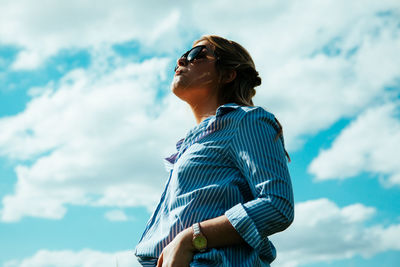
(203,109)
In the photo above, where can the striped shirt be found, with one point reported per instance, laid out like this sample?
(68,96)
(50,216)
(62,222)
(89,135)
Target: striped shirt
(232,164)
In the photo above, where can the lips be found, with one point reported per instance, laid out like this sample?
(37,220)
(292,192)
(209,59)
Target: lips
(179,71)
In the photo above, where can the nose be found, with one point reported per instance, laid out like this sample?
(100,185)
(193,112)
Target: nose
(182,61)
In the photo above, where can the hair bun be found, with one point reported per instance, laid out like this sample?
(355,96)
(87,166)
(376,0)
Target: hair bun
(257,79)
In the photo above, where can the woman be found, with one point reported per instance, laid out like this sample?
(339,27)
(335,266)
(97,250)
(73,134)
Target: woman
(229,187)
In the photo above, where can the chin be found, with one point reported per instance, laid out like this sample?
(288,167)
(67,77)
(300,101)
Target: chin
(178,88)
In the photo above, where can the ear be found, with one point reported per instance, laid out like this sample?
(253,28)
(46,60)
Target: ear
(229,76)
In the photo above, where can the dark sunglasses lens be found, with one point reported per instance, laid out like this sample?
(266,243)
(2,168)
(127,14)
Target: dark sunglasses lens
(193,53)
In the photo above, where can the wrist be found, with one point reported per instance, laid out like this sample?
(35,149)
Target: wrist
(186,239)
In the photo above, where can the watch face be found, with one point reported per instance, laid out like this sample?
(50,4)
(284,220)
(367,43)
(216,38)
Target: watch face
(200,242)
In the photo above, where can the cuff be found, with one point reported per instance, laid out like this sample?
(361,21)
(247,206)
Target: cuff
(244,225)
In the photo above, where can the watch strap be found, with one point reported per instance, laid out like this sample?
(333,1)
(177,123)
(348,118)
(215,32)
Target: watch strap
(196,229)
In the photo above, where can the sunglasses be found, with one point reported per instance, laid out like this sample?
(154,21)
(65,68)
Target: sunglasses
(193,54)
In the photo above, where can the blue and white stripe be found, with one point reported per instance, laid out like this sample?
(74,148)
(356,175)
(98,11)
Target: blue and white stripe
(228,164)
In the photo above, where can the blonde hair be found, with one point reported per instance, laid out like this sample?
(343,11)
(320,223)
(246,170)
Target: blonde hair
(232,56)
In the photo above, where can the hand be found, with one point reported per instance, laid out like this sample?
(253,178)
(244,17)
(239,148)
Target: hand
(178,253)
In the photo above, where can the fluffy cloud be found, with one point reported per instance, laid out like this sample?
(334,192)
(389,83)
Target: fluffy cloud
(327,73)
(317,59)
(83,258)
(94,138)
(368,144)
(322,232)
(44,28)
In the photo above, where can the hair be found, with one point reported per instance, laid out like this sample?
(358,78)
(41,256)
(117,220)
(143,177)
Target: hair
(232,56)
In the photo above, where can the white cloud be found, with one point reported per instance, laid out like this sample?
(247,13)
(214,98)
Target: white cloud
(83,258)
(116,216)
(309,90)
(322,232)
(96,138)
(368,144)
(43,28)
(286,40)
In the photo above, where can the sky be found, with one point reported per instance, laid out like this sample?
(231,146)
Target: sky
(87,116)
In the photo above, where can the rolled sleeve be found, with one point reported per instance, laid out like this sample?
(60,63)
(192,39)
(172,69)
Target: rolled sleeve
(246,228)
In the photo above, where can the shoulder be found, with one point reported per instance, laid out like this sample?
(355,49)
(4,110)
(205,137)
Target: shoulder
(237,109)
(247,114)
(257,113)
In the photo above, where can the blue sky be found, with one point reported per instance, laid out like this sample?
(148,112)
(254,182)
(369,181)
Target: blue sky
(86,116)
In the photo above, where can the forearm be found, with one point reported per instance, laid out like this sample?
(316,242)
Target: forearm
(218,231)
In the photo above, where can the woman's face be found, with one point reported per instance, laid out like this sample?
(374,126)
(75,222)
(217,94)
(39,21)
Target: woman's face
(196,80)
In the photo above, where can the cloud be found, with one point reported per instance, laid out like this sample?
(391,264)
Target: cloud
(116,216)
(368,144)
(324,73)
(83,258)
(322,232)
(333,57)
(97,137)
(44,28)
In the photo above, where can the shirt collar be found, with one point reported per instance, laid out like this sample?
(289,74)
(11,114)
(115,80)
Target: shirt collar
(226,108)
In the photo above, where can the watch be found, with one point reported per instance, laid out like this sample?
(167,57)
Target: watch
(199,240)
